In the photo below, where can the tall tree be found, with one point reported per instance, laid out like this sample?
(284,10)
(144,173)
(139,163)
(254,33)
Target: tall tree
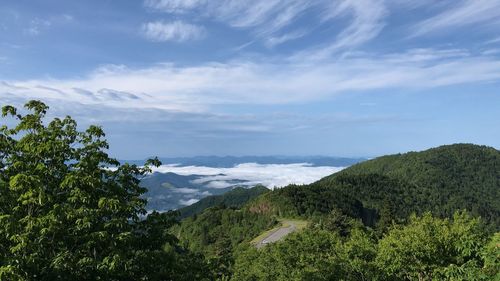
(70,212)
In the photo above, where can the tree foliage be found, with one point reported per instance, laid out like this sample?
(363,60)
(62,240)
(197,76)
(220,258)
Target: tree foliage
(428,248)
(217,232)
(70,212)
(314,254)
(434,249)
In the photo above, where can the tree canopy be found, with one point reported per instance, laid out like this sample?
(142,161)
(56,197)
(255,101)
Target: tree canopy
(70,212)
(428,248)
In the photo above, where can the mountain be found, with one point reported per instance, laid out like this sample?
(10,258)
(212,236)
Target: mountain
(440,180)
(170,191)
(234,198)
(231,161)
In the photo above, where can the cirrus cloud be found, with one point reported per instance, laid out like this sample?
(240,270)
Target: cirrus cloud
(466,12)
(273,21)
(176,31)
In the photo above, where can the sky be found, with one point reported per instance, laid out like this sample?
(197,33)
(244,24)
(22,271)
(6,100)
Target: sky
(170,78)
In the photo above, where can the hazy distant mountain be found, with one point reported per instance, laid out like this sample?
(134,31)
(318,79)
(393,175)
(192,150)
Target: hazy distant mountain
(169,191)
(230,161)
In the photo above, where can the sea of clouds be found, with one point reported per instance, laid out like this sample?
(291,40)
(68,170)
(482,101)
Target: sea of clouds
(251,174)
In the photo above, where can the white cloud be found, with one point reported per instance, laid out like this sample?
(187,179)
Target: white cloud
(173,6)
(366,24)
(491,52)
(493,41)
(268,19)
(270,175)
(198,88)
(188,202)
(184,190)
(467,12)
(277,40)
(36,26)
(177,31)
(216,183)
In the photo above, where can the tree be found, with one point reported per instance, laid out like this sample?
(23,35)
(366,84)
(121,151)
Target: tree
(312,254)
(430,248)
(70,212)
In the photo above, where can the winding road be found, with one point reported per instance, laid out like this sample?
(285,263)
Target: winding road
(277,235)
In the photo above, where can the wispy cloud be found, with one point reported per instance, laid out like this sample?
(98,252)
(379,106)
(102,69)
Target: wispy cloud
(36,26)
(467,12)
(185,190)
(367,21)
(493,41)
(265,16)
(173,6)
(188,202)
(176,31)
(277,40)
(491,52)
(273,21)
(197,88)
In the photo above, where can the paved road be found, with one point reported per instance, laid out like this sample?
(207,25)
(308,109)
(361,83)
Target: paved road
(277,235)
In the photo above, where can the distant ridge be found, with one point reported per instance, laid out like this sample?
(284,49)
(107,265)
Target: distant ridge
(231,161)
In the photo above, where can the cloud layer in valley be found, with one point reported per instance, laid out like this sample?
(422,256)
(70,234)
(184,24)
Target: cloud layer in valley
(251,174)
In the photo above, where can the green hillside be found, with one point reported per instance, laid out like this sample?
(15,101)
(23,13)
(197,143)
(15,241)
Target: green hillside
(234,198)
(440,180)
(218,231)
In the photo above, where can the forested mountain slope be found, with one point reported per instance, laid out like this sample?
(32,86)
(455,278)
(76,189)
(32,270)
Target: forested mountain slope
(441,180)
(234,198)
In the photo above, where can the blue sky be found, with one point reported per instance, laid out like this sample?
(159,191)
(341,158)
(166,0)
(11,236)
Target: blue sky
(263,77)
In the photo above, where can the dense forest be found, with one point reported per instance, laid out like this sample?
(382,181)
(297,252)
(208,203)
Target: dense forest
(70,212)
(234,198)
(440,180)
